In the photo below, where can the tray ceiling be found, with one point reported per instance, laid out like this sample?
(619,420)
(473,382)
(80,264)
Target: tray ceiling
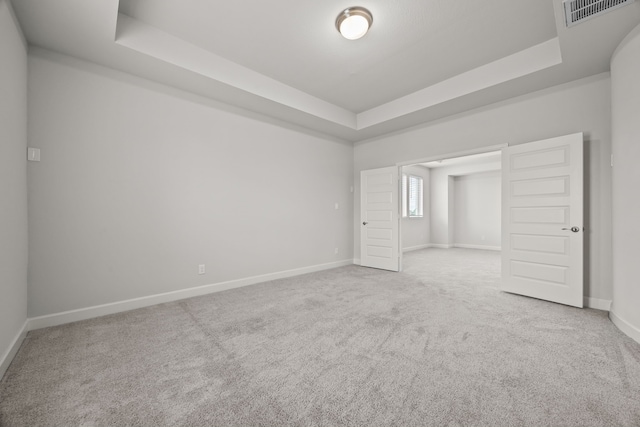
(421,60)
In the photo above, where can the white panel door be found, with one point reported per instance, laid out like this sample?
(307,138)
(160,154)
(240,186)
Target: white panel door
(542,219)
(379,237)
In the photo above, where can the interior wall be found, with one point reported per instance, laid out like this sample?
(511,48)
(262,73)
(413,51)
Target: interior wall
(13,183)
(140,183)
(625,110)
(416,231)
(579,106)
(443,212)
(478,210)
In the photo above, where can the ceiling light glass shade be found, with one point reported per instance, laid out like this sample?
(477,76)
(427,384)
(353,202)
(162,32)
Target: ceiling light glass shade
(354,22)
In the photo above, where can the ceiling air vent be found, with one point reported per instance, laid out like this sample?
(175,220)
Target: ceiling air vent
(577,11)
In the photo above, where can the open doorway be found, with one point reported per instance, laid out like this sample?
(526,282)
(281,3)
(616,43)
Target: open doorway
(541,213)
(452,203)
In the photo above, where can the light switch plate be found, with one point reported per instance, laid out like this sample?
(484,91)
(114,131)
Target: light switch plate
(33,154)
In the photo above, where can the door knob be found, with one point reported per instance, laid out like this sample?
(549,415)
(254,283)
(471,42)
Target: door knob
(574,229)
(365,223)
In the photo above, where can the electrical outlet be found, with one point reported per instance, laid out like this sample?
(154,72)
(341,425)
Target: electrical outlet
(201,269)
(337,206)
(336,251)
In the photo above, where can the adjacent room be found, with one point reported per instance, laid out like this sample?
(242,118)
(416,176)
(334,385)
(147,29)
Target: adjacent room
(452,202)
(319,213)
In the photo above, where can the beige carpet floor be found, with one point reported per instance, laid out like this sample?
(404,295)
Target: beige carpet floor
(436,345)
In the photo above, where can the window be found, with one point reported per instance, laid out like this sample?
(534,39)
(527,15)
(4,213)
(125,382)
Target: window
(411,196)
(404,196)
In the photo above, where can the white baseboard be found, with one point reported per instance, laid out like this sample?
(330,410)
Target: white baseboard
(8,356)
(625,326)
(440,246)
(483,247)
(131,304)
(598,304)
(356,261)
(416,248)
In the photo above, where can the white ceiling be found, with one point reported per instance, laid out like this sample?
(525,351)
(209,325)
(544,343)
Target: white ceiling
(422,59)
(413,43)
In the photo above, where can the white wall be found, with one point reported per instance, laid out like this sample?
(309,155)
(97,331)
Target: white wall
(416,231)
(140,183)
(13,184)
(625,111)
(478,210)
(443,197)
(580,106)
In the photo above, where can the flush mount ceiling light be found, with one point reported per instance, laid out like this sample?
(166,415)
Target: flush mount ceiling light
(354,22)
